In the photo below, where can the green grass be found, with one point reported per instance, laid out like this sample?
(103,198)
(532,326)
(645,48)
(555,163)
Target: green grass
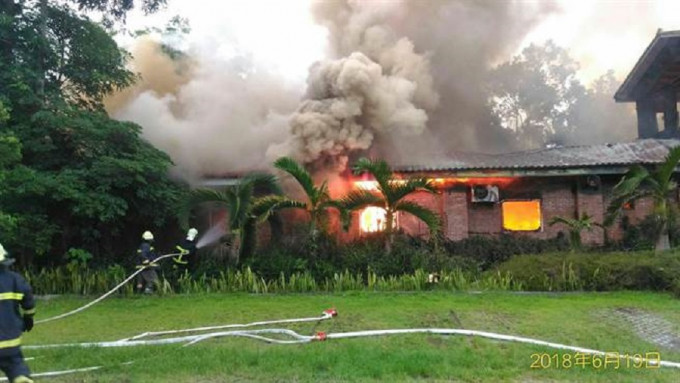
(581,319)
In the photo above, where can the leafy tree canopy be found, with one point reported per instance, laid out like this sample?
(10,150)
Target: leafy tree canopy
(72,177)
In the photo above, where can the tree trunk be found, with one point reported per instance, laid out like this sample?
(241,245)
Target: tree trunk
(663,241)
(389,232)
(42,27)
(235,247)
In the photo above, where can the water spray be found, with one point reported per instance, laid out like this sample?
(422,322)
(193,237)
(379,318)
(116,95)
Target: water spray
(212,235)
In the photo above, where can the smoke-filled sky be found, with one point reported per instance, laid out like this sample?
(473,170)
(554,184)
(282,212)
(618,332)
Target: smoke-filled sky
(322,80)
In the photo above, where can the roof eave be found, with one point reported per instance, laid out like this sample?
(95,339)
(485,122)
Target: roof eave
(625,91)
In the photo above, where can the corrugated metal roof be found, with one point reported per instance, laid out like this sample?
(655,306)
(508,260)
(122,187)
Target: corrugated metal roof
(646,151)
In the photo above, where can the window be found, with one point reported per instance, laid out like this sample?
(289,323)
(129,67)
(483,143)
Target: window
(372,219)
(521,215)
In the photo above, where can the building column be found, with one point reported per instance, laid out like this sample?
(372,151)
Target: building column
(646,116)
(670,112)
(456,213)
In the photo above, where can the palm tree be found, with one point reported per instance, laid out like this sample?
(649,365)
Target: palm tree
(392,197)
(639,182)
(245,208)
(318,198)
(576,226)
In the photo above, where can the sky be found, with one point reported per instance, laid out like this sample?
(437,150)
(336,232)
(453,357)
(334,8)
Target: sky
(281,35)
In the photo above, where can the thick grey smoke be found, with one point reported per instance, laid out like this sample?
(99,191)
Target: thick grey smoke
(378,88)
(218,117)
(404,80)
(375,84)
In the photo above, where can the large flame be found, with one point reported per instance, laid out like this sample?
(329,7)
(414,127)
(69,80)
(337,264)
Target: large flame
(440,183)
(372,219)
(521,215)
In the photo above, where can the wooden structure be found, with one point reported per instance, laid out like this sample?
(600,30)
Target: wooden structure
(654,84)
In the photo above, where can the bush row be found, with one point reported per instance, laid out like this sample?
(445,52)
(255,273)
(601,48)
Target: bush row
(595,272)
(68,280)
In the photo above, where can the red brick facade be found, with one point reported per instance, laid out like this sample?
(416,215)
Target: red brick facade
(559,196)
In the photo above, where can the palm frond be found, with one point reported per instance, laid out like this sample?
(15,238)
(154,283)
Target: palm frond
(262,183)
(399,190)
(200,196)
(430,218)
(322,194)
(379,169)
(631,181)
(262,208)
(619,201)
(358,199)
(584,222)
(570,222)
(300,174)
(664,173)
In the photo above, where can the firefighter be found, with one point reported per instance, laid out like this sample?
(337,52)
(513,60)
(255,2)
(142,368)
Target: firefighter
(15,293)
(146,255)
(187,251)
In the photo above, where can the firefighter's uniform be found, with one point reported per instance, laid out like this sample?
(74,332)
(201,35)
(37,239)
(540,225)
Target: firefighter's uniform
(187,252)
(17,307)
(146,256)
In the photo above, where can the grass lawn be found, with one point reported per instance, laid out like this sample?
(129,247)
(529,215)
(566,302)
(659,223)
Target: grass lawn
(580,319)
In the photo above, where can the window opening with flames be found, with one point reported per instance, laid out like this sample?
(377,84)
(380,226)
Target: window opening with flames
(521,215)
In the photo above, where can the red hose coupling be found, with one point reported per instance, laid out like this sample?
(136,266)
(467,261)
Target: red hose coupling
(331,312)
(320,335)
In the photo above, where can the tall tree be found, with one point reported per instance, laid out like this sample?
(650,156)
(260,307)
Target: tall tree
(253,200)
(638,183)
(82,179)
(533,93)
(392,196)
(318,198)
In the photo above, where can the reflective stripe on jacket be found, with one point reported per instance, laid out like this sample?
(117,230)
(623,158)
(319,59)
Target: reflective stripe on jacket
(15,295)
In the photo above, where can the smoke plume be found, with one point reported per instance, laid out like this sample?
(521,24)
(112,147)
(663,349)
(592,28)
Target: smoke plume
(377,90)
(375,84)
(210,114)
(403,80)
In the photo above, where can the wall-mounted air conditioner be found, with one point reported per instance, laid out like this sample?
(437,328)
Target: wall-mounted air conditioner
(485,193)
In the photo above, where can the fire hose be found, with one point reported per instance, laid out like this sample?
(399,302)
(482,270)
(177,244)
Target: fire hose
(106,294)
(261,334)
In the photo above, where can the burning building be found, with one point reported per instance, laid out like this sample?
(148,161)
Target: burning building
(522,192)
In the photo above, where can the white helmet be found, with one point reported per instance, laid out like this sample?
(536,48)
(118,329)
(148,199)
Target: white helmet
(4,260)
(191,234)
(147,236)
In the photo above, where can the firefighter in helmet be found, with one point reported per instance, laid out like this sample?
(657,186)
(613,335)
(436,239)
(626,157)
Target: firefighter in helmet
(146,255)
(15,294)
(187,251)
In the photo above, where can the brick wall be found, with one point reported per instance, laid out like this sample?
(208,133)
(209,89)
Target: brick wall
(484,218)
(455,220)
(557,199)
(559,196)
(412,225)
(591,202)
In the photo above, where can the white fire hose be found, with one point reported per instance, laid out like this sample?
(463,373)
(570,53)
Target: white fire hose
(105,295)
(327,314)
(297,338)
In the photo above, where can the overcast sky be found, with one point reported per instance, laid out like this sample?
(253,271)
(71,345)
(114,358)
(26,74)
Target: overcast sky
(281,35)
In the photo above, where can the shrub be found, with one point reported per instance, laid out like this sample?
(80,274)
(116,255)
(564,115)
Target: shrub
(489,251)
(598,272)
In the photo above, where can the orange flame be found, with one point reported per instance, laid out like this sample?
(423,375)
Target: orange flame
(521,215)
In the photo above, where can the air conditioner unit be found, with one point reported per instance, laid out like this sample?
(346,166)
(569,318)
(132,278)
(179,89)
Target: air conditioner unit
(592,182)
(485,193)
